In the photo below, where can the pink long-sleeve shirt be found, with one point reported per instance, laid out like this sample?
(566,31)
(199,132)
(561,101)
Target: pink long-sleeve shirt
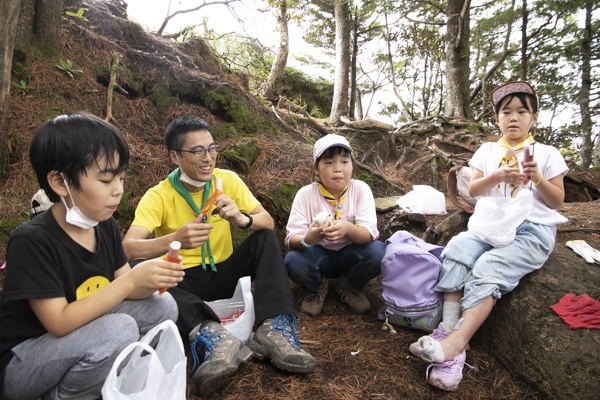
(359,206)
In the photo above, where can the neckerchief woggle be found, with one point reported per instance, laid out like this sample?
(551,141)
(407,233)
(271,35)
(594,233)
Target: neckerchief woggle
(338,206)
(509,156)
(183,192)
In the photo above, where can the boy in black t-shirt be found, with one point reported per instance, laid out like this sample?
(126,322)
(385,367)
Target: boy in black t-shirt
(71,302)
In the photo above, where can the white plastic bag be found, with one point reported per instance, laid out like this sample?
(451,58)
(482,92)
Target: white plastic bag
(496,219)
(243,301)
(143,373)
(423,199)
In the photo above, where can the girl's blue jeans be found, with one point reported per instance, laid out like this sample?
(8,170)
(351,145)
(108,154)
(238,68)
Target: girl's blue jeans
(481,270)
(353,266)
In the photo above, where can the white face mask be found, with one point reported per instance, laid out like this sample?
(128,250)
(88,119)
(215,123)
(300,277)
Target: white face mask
(186,179)
(74,215)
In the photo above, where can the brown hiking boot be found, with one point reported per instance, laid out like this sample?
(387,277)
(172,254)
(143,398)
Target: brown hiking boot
(356,301)
(224,354)
(312,304)
(276,339)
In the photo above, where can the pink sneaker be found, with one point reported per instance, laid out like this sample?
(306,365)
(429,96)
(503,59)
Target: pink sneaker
(427,348)
(447,375)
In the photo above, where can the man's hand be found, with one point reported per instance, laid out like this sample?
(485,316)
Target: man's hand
(228,210)
(193,234)
(157,273)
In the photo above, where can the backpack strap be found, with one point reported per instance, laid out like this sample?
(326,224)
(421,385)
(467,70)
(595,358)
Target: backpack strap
(452,182)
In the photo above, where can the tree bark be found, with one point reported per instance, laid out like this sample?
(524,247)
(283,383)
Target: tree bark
(339,107)
(280,59)
(586,83)
(457,59)
(9,14)
(24,29)
(524,40)
(359,110)
(47,26)
(352,105)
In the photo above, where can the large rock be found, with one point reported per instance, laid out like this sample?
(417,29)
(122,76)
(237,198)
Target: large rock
(525,335)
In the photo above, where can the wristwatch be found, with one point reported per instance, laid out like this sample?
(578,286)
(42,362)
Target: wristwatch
(249,224)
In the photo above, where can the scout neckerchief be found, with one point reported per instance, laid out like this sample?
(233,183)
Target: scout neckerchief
(510,156)
(182,190)
(338,206)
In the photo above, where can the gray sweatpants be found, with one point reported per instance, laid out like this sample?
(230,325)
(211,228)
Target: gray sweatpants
(76,365)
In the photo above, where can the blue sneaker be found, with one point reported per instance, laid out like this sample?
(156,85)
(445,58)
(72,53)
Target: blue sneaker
(276,339)
(223,355)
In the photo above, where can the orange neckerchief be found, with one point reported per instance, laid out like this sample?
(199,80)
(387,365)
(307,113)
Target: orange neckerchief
(338,206)
(510,156)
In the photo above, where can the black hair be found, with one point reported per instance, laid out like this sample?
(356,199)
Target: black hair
(529,101)
(332,152)
(70,144)
(177,130)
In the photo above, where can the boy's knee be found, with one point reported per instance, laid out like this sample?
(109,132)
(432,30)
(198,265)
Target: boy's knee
(117,332)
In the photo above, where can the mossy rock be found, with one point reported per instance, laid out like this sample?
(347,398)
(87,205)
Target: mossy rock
(242,154)
(278,202)
(163,99)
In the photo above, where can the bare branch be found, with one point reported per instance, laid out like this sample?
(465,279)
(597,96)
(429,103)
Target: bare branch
(204,4)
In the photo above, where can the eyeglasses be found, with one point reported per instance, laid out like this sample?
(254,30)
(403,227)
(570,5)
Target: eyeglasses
(201,151)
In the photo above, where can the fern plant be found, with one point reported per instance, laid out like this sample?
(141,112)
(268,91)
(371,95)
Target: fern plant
(78,15)
(68,68)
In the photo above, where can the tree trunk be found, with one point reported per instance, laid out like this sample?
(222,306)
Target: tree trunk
(524,40)
(47,26)
(359,110)
(352,105)
(280,59)
(341,14)
(457,59)
(24,33)
(584,94)
(9,15)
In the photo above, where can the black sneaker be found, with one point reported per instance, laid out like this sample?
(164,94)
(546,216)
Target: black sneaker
(276,339)
(223,355)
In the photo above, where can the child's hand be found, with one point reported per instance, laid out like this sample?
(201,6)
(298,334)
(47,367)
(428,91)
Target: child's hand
(336,230)
(193,234)
(314,234)
(510,174)
(531,171)
(158,273)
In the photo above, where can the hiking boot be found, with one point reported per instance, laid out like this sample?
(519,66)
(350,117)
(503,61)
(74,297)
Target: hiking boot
(223,355)
(428,347)
(276,339)
(356,301)
(312,303)
(447,375)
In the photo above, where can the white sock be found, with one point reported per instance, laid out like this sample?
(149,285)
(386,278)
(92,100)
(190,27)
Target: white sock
(431,350)
(451,313)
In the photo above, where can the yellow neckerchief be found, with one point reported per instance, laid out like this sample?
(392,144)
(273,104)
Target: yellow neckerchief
(338,206)
(510,155)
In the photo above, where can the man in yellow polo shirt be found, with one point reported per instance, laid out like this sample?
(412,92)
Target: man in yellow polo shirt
(171,211)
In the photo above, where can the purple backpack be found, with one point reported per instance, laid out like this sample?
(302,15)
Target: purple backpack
(410,269)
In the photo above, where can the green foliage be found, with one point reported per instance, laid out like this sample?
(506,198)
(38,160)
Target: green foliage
(314,92)
(68,68)
(78,15)
(9,225)
(163,98)
(317,112)
(22,86)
